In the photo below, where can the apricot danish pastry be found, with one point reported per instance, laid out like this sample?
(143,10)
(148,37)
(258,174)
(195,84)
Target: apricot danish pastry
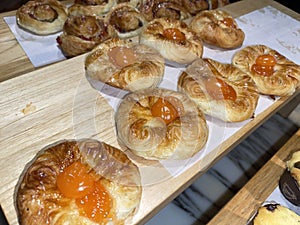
(79,182)
(126,65)
(160,124)
(217,28)
(42,17)
(272,72)
(173,39)
(82,33)
(220,90)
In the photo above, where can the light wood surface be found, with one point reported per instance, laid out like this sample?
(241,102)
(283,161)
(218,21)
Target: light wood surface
(62,105)
(245,203)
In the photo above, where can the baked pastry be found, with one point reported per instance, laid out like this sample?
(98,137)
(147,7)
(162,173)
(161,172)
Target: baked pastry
(91,7)
(153,9)
(160,124)
(125,65)
(275,214)
(194,7)
(78,182)
(220,90)
(126,19)
(42,17)
(293,166)
(272,72)
(82,33)
(173,39)
(217,28)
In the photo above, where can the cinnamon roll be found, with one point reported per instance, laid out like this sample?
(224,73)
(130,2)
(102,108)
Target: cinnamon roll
(160,124)
(78,182)
(220,90)
(91,7)
(82,33)
(153,9)
(125,65)
(173,39)
(217,28)
(126,19)
(272,72)
(42,17)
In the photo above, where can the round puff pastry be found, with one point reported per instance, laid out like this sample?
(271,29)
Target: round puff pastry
(173,39)
(40,194)
(42,17)
(218,28)
(220,90)
(153,9)
(91,7)
(293,166)
(126,65)
(160,124)
(126,19)
(82,33)
(272,72)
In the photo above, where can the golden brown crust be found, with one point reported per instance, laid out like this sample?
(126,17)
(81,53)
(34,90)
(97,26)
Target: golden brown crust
(42,17)
(149,136)
(91,7)
(82,33)
(183,52)
(146,72)
(40,202)
(153,9)
(275,214)
(192,82)
(126,19)
(285,78)
(209,25)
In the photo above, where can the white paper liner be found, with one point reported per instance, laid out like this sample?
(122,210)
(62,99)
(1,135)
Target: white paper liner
(266,26)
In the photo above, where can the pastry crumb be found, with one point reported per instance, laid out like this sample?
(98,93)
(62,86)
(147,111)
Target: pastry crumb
(29,108)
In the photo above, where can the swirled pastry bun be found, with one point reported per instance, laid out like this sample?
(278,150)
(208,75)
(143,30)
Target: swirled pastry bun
(173,39)
(82,33)
(126,19)
(42,17)
(91,7)
(220,90)
(78,182)
(217,28)
(272,72)
(125,65)
(153,9)
(160,124)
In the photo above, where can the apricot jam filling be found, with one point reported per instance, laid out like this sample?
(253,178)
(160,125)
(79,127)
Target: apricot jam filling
(121,56)
(219,89)
(164,110)
(92,199)
(264,65)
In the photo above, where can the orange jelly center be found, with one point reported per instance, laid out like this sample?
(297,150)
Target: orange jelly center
(96,205)
(174,34)
(264,65)
(219,89)
(91,197)
(121,56)
(165,110)
(229,22)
